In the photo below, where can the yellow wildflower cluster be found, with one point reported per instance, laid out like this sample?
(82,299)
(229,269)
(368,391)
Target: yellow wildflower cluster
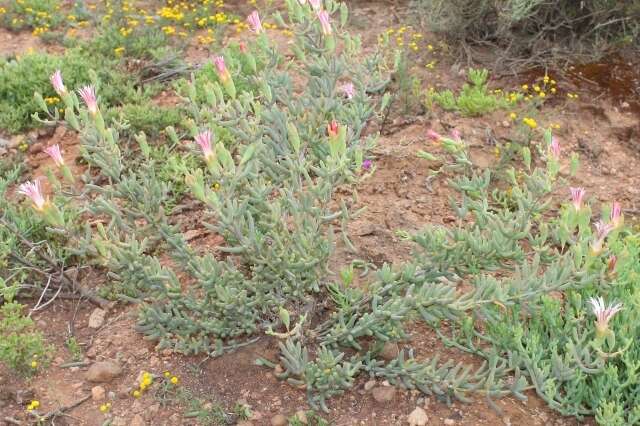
(531,122)
(404,36)
(104,408)
(540,89)
(33,405)
(172,379)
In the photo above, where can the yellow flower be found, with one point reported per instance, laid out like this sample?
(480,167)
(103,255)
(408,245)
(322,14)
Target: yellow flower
(104,408)
(167,374)
(553,90)
(136,393)
(118,51)
(546,79)
(174,380)
(34,364)
(530,122)
(542,94)
(33,405)
(536,88)
(513,116)
(525,87)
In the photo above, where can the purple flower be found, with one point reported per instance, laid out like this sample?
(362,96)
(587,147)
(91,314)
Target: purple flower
(88,95)
(204,140)
(33,191)
(56,82)
(325,22)
(55,154)
(577,194)
(616,215)
(366,164)
(254,22)
(603,314)
(348,90)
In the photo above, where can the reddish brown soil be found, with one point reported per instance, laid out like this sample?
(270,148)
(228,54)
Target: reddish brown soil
(397,197)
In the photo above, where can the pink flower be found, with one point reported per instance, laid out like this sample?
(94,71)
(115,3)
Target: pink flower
(325,22)
(204,140)
(314,3)
(348,90)
(33,191)
(603,314)
(88,95)
(55,154)
(616,215)
(366,164)
(577,194)
(56,82)
(254,22)
(433,135)
(555,148)
(223,73)
(455,135)
(602,230)
(332,128)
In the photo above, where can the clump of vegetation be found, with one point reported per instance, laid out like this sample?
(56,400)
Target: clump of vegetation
(22,346)
(475,98)
(531,31)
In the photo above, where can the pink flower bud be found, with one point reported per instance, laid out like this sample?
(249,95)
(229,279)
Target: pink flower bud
(611,264)
(603,314)
(433,135)
(243,47)
(56,82)
(577,194)
(254,22)
(616,215)
(602,230)
(33,191)
(223,73)
(325,22)
(88,95)
(55,154)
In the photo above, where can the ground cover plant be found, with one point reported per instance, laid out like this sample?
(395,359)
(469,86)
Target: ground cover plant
(228,217)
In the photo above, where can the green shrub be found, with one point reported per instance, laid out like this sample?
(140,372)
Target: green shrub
(535,29)
(22,347)
(474,98)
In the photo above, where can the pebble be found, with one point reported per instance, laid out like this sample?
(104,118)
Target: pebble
(97,393)
(279,420)
(103,371)
(389,351)
(383,394)
(369,385)
(449,422)
(418,417)
(96,319)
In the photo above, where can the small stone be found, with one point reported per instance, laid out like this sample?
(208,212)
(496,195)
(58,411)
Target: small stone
(96,319)
(279,420)
(103,371)
(111,395)
(150,412)
(369,385)
(625,105)
(97,393)
(389,351)
(137,421)
(449,422)
(301,416)
(383,394)
(92,352)
(278,369)
(244,423)
(418,417)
